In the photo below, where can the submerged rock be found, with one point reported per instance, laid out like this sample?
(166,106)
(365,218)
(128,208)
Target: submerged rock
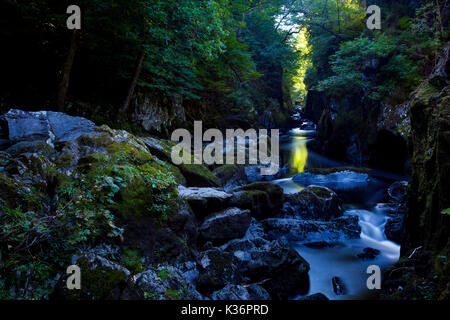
(397,191)
(368,254)
(315,297)
(345,180)
(292,229)
(319,245)
(338,286)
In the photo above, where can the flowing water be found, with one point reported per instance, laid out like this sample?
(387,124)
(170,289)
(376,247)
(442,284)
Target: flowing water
(341,260)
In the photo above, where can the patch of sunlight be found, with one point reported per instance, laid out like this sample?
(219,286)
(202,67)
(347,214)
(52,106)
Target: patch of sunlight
(299,157)
(304,63)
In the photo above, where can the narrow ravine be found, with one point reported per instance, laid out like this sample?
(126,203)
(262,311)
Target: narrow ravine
(340,259)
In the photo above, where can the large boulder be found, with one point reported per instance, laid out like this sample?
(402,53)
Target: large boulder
(394,228)
(280,269)
(101,279)
(274,264)
(225,225)
(398,191)
(264,199)
(52,127)
(204,201)
(314,203)
(216,270)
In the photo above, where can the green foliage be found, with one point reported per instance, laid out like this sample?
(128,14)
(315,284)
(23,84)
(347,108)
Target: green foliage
(356,64)
(132,261)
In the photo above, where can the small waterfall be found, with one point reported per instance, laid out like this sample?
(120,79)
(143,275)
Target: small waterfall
(372,232)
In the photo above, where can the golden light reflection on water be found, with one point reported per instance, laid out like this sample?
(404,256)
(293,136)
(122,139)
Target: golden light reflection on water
(299,154)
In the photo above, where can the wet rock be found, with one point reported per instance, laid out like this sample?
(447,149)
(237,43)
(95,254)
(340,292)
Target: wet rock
(319,245)
(257,201)
(274,264)
(338,181)
(231,176)
(338,229)
(253,173)
(338,286)
(216,270)
(280,269)
(159,147)
(391,208)
(314,203)
(241,292)
(204,201)
(315,297)
(263,198)
(225,225)
(397,191)
(393,228)
(368,254)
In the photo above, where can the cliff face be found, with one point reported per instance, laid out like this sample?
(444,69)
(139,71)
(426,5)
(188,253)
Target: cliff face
(423,272)
(427,221)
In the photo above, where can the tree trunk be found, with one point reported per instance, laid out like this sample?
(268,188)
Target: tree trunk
(64,85)
(440,17)
(137,73)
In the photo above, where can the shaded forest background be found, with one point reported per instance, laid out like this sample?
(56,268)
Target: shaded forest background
(226,62)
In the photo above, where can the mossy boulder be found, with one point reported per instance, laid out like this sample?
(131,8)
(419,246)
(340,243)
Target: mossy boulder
(314,203)
(255,200)
(101,279)
(274,192)
(217,269)
(197,175)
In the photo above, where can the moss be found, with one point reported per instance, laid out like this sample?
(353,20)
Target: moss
(326,171)
(100,283)
(132,261)
(198,175)
(226,172)
(164,274)
(180,179)
(270,188)
(320,192)
(173,294)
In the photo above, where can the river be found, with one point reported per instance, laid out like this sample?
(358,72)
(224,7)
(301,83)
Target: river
(341,260)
